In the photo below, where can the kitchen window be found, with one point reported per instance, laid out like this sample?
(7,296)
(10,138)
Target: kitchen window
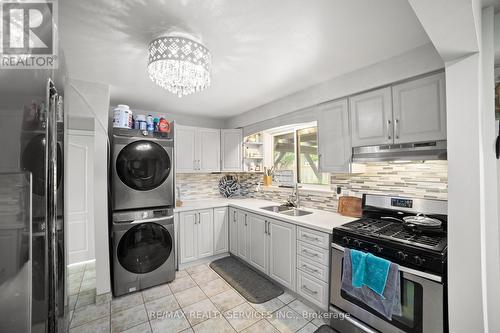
(297,151)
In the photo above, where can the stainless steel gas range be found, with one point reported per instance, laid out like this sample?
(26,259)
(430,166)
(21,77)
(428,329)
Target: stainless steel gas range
(410,233)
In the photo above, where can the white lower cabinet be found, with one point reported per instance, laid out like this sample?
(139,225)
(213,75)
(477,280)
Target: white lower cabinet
(295,257)
(196,235)
(243,239)
(312,289)
(313,266)
(233,232)
(258,240)
(221,230)
(272,248)
(282,251)
(205,232)
(188,236)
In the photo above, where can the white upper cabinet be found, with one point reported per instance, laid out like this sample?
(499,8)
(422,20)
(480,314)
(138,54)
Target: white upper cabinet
(420,110)
(334,140)
(231,150)
(185,141)
(208,150)
(371,118)
(197,149)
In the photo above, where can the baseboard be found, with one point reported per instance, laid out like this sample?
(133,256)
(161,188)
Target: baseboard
(202,260)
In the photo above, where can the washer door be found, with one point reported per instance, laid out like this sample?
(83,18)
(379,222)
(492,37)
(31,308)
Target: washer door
(144,248)
(143,165)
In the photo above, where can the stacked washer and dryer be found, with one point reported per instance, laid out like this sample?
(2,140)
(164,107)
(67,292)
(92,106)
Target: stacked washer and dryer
(142,197)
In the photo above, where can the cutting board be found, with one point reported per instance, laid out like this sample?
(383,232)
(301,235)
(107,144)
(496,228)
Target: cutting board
(350,206)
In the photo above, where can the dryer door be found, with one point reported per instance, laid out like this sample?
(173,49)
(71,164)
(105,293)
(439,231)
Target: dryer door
(144,248)
(143,165)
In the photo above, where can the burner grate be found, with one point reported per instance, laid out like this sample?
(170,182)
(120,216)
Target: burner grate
(391,230)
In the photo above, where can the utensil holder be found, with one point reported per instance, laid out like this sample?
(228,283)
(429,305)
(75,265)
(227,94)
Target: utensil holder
(268,180)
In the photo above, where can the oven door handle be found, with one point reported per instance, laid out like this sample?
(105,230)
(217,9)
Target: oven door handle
(424,275)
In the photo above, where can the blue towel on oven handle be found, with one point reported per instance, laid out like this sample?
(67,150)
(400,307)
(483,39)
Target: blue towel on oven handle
(376,271)
(388,304)
(358,260)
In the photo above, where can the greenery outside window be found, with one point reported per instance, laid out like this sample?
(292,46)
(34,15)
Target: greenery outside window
(298,151)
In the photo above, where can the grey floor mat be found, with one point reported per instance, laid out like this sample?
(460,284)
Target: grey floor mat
(325,329)
(251,284)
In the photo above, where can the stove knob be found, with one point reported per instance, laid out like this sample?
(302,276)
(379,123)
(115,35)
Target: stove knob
(357,243)
(418,261)
(377,249)
(402,255)
(345,240)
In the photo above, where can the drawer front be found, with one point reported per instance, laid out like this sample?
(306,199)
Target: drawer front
(313,253)
(312,268)
(313,237)
(312,289)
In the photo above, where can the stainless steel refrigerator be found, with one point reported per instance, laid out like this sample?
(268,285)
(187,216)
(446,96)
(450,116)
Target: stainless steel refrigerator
(33,295)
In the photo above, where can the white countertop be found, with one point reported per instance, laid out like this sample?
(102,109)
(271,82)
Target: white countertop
(319,220)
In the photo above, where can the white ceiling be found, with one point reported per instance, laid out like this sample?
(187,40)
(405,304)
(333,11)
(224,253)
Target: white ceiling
(261,49)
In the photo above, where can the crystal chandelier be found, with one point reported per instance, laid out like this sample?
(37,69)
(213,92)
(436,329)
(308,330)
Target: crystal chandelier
(179,64)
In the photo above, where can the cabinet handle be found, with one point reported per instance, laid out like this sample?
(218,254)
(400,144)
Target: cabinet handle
(304,287)
(265,227)
(269,228)
(396,128)
(307,268)
(389,129)
(245,220)
(311,238)
(311,254)
(234,216)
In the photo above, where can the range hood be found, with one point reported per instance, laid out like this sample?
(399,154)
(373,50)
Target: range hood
(431,150)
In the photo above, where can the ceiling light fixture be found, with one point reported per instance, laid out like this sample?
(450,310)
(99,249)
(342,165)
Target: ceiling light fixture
(179,63)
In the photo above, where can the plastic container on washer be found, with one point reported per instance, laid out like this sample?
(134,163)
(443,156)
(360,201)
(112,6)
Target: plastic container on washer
(141,120)
(122,116)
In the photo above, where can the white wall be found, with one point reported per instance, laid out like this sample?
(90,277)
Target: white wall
(421,60)
(463,35)
(91,100)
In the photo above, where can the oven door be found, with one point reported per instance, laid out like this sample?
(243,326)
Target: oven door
(422,297)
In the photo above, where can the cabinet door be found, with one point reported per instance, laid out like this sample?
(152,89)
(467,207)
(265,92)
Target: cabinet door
(208,150)
(371,118)
(188,235)
(420,110)
(205,233)
(231,149)
(185,141)
(233,232)
(334,138)
(243,251)
(220,230)
(257,229)
(282,252)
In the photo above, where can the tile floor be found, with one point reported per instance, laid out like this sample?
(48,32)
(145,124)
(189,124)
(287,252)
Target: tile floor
(198,300)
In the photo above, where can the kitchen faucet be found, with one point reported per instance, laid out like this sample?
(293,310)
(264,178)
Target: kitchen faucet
(294,198)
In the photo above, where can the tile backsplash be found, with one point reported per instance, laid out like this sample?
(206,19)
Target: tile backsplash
(417,179)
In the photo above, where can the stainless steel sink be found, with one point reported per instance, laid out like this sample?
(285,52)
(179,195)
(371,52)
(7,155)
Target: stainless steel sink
(296,212)
(276,209)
